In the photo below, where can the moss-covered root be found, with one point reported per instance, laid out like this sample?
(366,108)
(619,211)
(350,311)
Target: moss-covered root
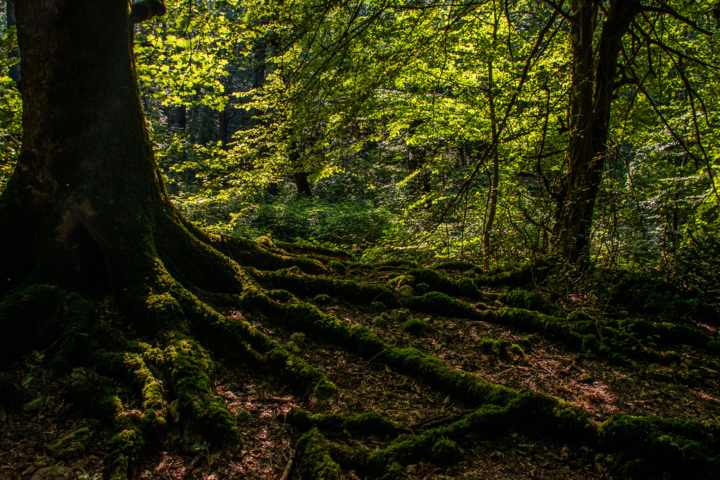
(191,372)
(529,412)
(311,286)
(264,254)
(307,318)
(300,249)
(368,423)
(236,337)
(154,411)
(314,459)
(438,282)
(643,446)
(440,303)
(125,445)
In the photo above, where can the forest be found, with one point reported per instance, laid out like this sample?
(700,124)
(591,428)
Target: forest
(359,239)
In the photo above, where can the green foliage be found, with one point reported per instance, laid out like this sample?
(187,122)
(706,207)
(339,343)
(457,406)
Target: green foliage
(10,109)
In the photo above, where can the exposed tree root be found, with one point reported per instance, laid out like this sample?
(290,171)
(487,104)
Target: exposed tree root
(177,369)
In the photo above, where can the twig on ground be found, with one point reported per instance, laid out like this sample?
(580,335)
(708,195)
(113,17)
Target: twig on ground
(288,468)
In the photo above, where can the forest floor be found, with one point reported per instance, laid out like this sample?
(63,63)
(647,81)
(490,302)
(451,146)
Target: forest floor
(268,444)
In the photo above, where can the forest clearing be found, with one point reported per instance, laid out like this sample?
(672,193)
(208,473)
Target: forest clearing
(379,239)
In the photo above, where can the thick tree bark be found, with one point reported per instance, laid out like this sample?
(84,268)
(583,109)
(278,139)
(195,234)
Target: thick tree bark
(594,73)
(86,207)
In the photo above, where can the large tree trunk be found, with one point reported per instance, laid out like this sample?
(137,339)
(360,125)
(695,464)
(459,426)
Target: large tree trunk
(86,212)
(86,204)
(594,74)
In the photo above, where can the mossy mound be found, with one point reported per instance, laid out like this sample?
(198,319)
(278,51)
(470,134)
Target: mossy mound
(436,302)
(438,282)
(528,301)
(337,267)
(414,327)
(314,458)
(446,452)
(323,299)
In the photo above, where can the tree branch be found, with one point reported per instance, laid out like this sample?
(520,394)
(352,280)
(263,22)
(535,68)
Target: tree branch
(669,11)
(147,9)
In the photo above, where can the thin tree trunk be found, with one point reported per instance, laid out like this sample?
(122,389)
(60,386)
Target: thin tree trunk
(492,208)
(594,74)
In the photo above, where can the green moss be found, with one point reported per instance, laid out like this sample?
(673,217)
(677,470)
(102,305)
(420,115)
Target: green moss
(315,462)
(242,416)
(314,285)
(446,452)
(378,306)
(488,419)
(323,299)
(438,282)
(579,316)
(368,423)
(679,447)
(492,346)
(528,301)
(337,267)
(154,411)
(191,372)
(590,343)
(516,350)
(668,333)
(394,471)
(379,322)
(163,312)
(649,296)
(515,277)
(120,450)
(396,263)
(414,326)
(440,303)
(400,280)
(713,347)
(296,372)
